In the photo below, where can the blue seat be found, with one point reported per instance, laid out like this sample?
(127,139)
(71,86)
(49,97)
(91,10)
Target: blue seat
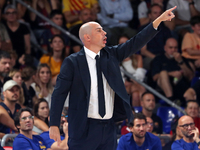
(167,114)
(138,109)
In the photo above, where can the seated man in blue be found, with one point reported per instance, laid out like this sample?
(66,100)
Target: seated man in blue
(63,132)
(26,140)
(190,140)
(139,139)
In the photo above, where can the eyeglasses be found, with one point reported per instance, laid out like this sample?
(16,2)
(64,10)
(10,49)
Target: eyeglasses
(150,123)
(64,116)
(11,13)
(185,126)
(25,118)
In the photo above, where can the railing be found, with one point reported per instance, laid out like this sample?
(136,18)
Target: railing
(3,140)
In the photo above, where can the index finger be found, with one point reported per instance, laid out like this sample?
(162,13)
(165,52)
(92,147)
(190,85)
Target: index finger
(171,9)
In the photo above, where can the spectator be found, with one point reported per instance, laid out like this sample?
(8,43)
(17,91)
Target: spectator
(183,13)
(41,112)
(191,42)
(139,138)
(143,8)
(190,133)
(72,8)
(55,58)
(193,93)
(156,45)
(23,12)
(14,59)
(11,93)
(4,38)
(114,17)
(4,68)
(171,72)
(85,16)
(19,33)
(56,17)
(148,105)
(192,110)
(63,132)
(43,87)
(28,76)
(176,133)
(134,66)
(149,125)
(25,139)
(16,75)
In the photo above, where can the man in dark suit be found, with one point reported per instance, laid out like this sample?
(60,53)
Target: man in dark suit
(91,123)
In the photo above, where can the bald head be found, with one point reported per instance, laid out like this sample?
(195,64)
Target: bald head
(86,29)
(171,46)
(185,119)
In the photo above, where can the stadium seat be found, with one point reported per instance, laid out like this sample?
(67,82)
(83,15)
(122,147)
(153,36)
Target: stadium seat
(138,109)
(167,114)
(8,148)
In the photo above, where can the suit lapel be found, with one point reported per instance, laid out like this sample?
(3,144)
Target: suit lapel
(84,71)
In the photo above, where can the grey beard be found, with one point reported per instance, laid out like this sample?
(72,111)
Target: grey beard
(3,74)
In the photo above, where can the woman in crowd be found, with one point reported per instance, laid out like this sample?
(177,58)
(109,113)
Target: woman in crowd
(55,58)
(16,75)
(41,113)
(43,86)
(134,66)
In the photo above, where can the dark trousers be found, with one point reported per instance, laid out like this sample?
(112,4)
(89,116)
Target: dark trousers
(100,135)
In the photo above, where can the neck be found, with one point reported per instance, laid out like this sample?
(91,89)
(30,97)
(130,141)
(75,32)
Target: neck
(28,84)
(55,31)
(27,134)
(10,105)
(138,141)
(43,85)
(147,113)
(12,24)
(188,140)
(57,56)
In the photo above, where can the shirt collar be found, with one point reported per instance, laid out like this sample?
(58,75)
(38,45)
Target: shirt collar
(91,53)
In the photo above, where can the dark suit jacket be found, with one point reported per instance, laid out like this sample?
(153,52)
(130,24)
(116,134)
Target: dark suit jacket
(74,77)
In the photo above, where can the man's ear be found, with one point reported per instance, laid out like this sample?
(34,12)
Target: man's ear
(87,37)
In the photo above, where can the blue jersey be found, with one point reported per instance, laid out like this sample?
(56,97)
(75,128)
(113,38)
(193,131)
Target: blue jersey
(48,141)
(182,145)
(151,142)
(21,142)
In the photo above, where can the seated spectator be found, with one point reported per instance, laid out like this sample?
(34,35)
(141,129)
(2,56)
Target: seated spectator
(25,139)
(193,93)
(14,59)
(176,133)
(41,112)
(190,140)
(24,123)
(192,110)
(23,12)
(55,58)
(156,45)
(114,17)
(148,106)
(185,10)
(191,42)
(172,72)
(85,16)
(134,66)
(5,60)
(56,17)
(72,8)
(63,132)
(11,93)
(4,38)
(28,76)
(43,87)
(16,75)
(143,8)
(139,138)
(149,125)
(19,33)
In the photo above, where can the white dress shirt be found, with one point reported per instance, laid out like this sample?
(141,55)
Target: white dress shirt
(93,111)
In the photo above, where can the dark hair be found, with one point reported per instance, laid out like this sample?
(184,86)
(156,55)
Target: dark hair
(18,114)
(55,12)
(147,92)
(4,54)
(193,101)
(138,116)
(194,20)
(28,72)
(36,107)
(63,51)
(174,124)
(153,5)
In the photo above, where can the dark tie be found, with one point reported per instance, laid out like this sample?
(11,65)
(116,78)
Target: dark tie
(101,97)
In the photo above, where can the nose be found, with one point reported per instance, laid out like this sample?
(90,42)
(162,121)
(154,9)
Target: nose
(8,65)
(104,32)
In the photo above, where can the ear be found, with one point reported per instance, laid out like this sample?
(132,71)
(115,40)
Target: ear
(4,94)
(87,37)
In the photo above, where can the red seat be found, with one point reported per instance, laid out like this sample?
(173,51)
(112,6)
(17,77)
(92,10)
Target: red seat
(8,148)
